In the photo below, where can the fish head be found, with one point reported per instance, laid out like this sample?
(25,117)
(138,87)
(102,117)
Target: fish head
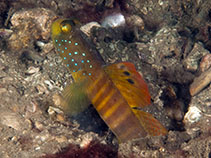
(64,27)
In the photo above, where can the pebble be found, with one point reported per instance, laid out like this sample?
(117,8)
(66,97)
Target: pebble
(49,84)
(135,21)
(60,117)
(200,82)
(42,89)
(193,59)
(53,110)
(205,63)
(37,148)
(56,99)
(5,33)
(39,125)
(32,70)
(87,28)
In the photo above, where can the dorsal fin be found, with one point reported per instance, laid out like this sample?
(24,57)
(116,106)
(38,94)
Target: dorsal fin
(130,83)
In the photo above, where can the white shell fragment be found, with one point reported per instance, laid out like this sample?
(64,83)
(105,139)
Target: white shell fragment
(193,115)
(114,20)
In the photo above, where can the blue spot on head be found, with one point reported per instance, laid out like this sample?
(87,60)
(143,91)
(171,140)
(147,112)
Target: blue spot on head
(68,65)
(72,59)
(82,61)
(65,48)
(84,73)
(58,49)
(88,61)
(76,64)
(69,53)
(65,40)
(75,52)
(62,40)
(69,41)
(76,43)
(83,54)
(73,70)
(59,44)
(56,40)
(90,66)
(62,51)
(89,74)
(65,58)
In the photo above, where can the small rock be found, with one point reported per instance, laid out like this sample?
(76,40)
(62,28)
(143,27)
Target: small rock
(53,110)
(37,148)
(30,25)
(31,70)
(5,33)
(60,117)
(87,28)
(47,47)
(39,125)
(193,58)
(200,82)
(135,21)
(29,123)
(56,99)
(42,89)
(163,47)
(205,63)
(86,139)
(193,132)
(49,84)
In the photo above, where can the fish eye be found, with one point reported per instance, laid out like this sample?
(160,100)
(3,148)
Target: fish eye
(65,27)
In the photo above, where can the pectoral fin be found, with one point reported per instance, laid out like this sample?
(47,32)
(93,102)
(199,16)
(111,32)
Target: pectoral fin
(74,98)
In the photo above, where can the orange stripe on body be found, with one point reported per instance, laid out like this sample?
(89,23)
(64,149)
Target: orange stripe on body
(112,109)
(96,79)
(121,120)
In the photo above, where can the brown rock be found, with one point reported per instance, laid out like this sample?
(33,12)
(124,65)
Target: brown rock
(200,82)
